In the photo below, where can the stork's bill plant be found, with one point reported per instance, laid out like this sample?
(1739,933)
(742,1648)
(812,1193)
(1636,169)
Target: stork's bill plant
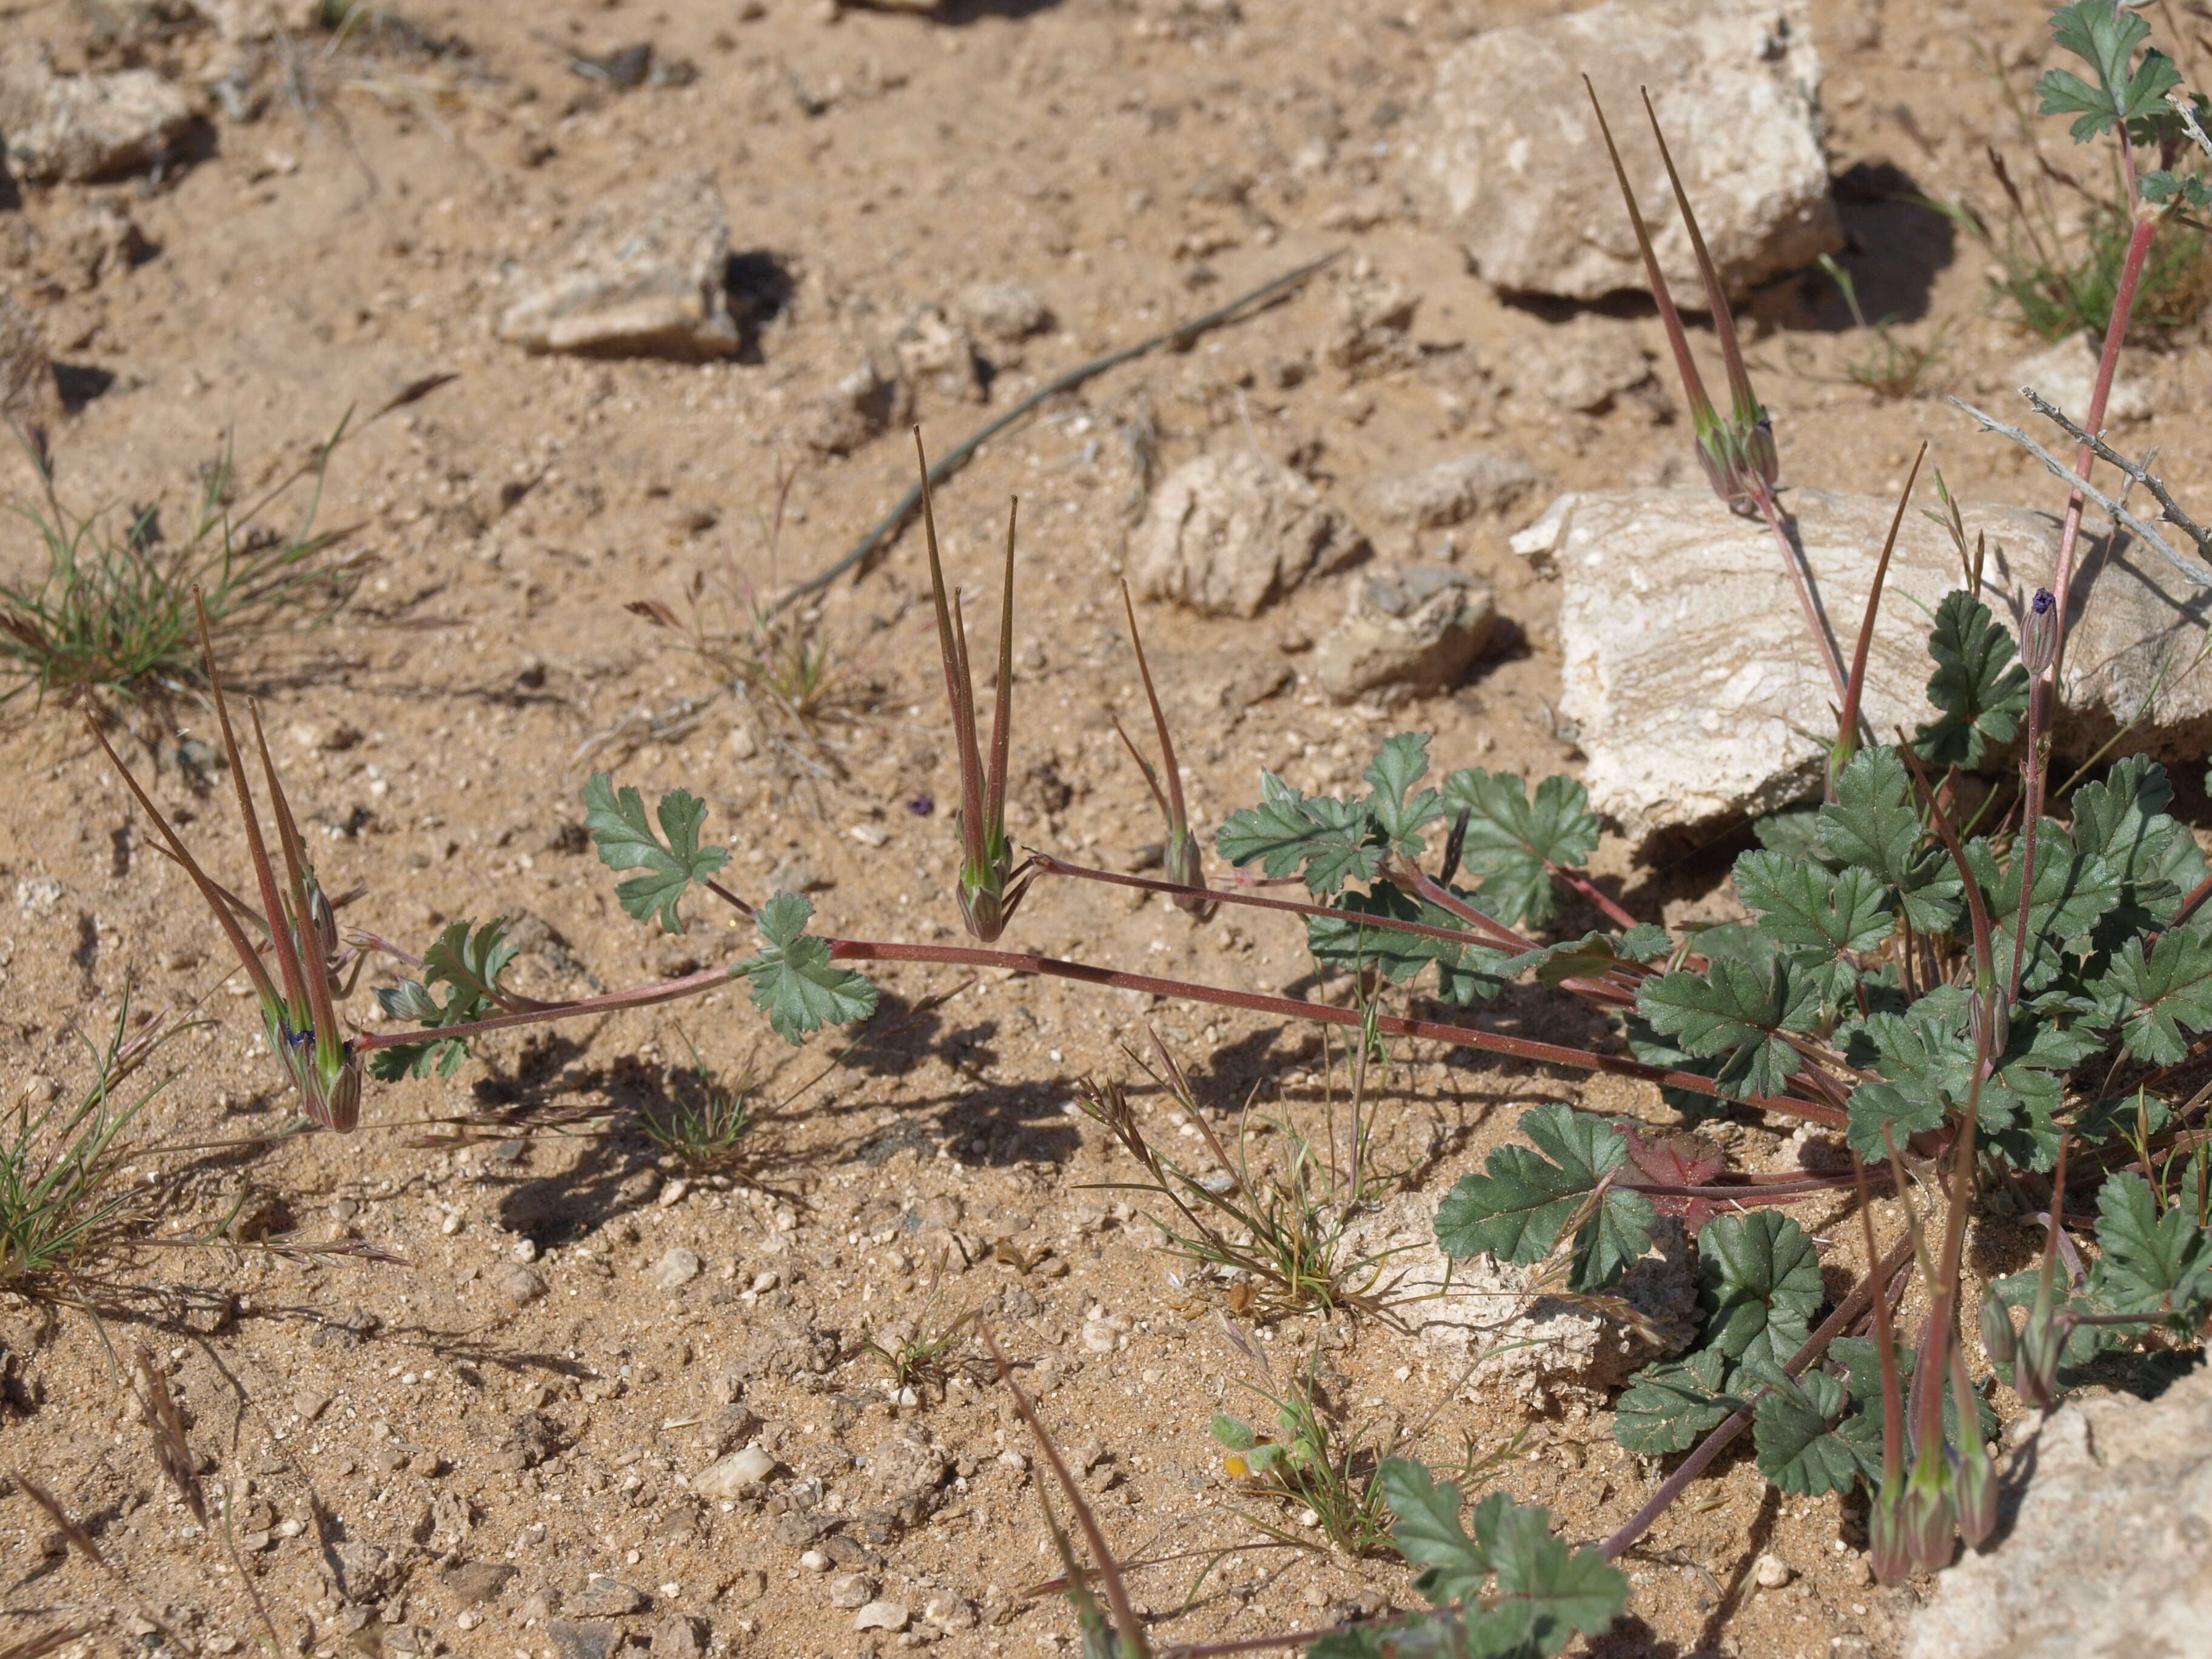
(1996,994)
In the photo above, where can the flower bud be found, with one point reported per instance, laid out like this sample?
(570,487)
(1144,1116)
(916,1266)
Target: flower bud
(1931,1539)
(1999,1340)
(1975,1485)
(1886,1551)
(2038,641)
(2035,1371)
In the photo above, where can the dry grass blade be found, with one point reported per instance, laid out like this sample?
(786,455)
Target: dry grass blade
(1126,1625)
(78,1538)
(171,1451)
(37,1647)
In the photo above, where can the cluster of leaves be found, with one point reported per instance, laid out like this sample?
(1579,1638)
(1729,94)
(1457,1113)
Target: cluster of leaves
(1508,1590)
(468,962)
(2121,89)
(1513,843)
(2154,1262)
(1812,982)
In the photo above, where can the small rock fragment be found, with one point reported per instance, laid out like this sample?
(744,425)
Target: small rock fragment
(677,1267)
(1452,492)
(1771,1571)
(1418,627)
(863,405)
(1005,312)
(517,1284)
(727,1476)
(882,1615)
(575,1638)
(1229,534)
(641,275)
(936,352)
(814,1561)
(1585,365)
(77,128)
(950,1612)
(680,1637)
(852,1589)
(605,1596)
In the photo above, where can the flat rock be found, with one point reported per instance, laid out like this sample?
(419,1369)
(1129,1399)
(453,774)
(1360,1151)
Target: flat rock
(1544,1352)
(2104,1539)
(1510,157)
(77,128)
(1229,534)
(642,273)
(582,1638)
(1453,491)
(1414,627)
(725,1477)
(27,378)
(882,1615)
(1690,684)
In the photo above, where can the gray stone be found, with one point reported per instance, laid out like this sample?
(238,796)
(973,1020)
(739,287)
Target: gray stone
(589,1638)
(2103,1547)
(641,274)
(472,1584)
(1585,365)
(1512,159)
(1417,627)
(75,129)
(677,1267)
(1542,1352)
(951,1613)
(1005,311)
(26,379)
(1691,684)
(863,405)
(517,1284)
(605,1596)
(727,1477)
(853,1590)
(680,1637)
(1452,492)
(882,1615)
(1229,534)
(937,352)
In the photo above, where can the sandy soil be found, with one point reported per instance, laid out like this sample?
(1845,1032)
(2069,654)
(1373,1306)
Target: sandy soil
(439,1457)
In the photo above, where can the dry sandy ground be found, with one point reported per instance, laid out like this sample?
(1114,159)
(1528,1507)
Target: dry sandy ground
(397,1439)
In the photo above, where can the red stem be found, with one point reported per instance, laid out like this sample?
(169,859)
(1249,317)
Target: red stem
(1589,890)
(843,950)
(2085,457)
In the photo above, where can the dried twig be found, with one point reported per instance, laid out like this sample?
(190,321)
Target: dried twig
(2192,573)
(954,459)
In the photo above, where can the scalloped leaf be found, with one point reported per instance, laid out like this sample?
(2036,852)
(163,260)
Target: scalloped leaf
(626,841)
(793,978)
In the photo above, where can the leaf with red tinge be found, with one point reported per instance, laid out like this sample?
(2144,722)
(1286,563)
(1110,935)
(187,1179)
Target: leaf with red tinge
(1675,1161)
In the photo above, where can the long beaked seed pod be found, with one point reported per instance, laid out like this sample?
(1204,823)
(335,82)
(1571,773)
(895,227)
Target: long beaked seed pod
(2038,634)
(991,884)
(1930,1518)
(1181,855)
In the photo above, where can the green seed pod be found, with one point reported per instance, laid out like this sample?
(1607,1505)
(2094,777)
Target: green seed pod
(1999,1340)
(1886,1550)
(1930,1537)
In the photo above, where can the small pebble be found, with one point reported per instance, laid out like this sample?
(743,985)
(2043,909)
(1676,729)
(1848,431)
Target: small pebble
(882,1615)
(766,1280)
(1770,1571)
(525,1250)
(852,1589)
(676,1269)
(518,1284)
(672,1193)
(815,1561)
(1013,1460)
